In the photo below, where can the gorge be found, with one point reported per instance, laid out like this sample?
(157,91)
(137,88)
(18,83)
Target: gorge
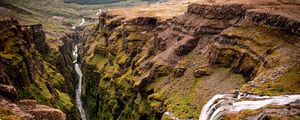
(78,90)
(202,59)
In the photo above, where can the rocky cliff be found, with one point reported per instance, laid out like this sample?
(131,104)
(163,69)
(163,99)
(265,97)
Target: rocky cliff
(30,69)
(143,67)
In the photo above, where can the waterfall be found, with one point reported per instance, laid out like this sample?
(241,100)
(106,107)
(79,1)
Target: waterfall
(78,90)
(215,108)
(82,22)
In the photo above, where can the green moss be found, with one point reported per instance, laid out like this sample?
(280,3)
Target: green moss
(122,58)
(162,70)
(98,60)
(9,117)
(112,70)
(39,92)
(156,105)
(238,77)
(143,106)
(135,28)
(5,112)
(64,102)
(137,37)
(288,83)
(55,77)
(184,107)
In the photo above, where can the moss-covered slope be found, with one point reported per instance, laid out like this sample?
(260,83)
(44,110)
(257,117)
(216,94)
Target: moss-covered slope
(28,70)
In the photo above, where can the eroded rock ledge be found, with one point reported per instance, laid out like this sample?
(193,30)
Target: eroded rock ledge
(29,110)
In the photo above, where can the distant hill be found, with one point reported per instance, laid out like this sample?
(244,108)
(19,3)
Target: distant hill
(101,1)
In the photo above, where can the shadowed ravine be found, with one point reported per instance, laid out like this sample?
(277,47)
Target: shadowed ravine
(78,90)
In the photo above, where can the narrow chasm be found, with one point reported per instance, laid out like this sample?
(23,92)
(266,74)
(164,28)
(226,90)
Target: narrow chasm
(139,60)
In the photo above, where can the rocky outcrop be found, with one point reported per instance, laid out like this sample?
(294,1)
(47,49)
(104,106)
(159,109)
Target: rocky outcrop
(144,21)
(289,24)
(217,11)
(29,110)
(26,72)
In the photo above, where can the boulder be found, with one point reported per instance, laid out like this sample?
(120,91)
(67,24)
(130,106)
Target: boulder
(201,72)
(8,91)
(47,114)
(179,72)
(186,46)
(28,104)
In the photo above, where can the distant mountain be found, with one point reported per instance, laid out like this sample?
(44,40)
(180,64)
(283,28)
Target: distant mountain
(101,1)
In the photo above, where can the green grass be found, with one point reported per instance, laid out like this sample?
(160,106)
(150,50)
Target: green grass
(286,84)
(98,60)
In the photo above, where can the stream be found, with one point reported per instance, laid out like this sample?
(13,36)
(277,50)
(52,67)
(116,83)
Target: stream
(78,90)
(79,73)
(220,104)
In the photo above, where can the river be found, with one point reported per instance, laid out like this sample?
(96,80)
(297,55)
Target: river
(78,90)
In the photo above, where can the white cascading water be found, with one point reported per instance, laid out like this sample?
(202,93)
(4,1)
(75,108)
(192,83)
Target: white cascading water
(78,90)
(79,73)
(220,104)
(82,22)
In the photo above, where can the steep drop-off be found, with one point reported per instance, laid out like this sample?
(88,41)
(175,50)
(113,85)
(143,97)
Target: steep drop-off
(143,67)
(30,69)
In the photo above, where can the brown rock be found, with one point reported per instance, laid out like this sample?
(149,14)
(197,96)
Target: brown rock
(48,114)
(8,91)
(179,72)
(186,46)
(144,21)
(217,11)
(201,72)
(260,116)
(28,104)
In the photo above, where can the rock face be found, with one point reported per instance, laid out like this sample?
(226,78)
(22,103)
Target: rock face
(217,11)
(28,70)
(29,110)
(144,67)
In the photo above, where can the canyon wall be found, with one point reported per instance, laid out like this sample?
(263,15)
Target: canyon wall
(143,67)
(30,69)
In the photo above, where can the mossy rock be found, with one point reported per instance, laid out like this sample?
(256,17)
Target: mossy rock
(55,77)
(162,70)
(123,59)
(9,117)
